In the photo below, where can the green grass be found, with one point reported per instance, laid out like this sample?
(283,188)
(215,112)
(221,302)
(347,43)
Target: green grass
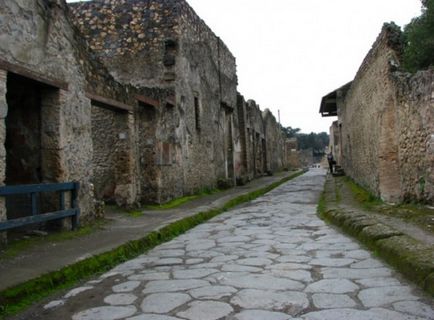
(418,214)
(16,299)
(321,207)
(16,247)
(366,199)
(172,203)
(181,200)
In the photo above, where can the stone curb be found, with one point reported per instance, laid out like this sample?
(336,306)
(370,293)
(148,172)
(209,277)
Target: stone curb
(415,260)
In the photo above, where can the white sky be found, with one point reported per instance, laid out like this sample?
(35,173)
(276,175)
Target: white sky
(290,53)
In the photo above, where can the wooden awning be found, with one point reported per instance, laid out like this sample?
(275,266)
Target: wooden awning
(329,107)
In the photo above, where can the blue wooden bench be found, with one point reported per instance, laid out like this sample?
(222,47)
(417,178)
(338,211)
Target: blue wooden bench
(34,216)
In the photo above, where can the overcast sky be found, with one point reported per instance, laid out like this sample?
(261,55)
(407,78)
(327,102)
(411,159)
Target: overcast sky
(290,53)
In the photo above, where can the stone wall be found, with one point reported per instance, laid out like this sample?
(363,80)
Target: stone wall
(37,42)
(263,146)
(415,99)
(134,99)
(164,44)
(368,121)
(335,142)
(275,143)
(387,125)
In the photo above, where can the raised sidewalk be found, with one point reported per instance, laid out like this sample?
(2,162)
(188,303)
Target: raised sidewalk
(406,246)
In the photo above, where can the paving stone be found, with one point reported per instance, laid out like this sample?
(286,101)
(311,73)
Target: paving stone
(368,263)
(330,262)
(204,266)
(231,244)
(234,239)
(378,282)
(206,310)
(126,286)
(415,308)
(347,273)
(170,253)
(300,275)
(54,304)
(238,268)
(354,314)
(167,262)
(224,258)
(357,254)
(77,291)
(173,285)
(290,266)
(293,258)
(332,286)
(254,262)
(134,264)
(120,299)
(163,302)
(109,274)
(149,276)
(200,245)
(212,292)
(291,302)
(376,297)
(193,261)
(105,313)
(261,315)
(327,301)
(334,238)
(193,274)
(152,317)
(344,246)
(259,281)
(93,282)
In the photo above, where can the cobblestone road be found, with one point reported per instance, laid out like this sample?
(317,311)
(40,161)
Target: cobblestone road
(272,259)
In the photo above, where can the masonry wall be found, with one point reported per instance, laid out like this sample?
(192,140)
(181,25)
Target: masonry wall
(38,41)
(275,143)
(415,98)
(387,125)
(164,44)
(335,144)
(210,72)
(369,114)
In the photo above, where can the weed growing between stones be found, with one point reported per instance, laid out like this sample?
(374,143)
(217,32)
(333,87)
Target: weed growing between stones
(364,197)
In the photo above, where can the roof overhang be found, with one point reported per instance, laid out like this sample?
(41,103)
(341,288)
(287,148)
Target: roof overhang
(329,107)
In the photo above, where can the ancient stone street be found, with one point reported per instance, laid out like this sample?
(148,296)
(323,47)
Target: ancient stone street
(272,259)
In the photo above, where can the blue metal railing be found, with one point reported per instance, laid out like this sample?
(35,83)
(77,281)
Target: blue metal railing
(34,216)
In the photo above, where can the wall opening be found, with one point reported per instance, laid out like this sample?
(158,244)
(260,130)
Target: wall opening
(197,113)
(32,152)
(229,147)
(109,160)
(147,150)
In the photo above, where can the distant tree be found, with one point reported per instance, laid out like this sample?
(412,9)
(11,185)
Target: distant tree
(315,141)
(290,132)
(419,39)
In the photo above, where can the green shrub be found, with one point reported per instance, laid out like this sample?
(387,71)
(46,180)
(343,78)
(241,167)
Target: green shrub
(419,39)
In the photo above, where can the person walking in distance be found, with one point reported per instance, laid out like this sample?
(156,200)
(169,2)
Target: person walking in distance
(330,161)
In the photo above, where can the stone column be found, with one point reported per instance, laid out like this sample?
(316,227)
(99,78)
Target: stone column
(53,166)
(52,136)
(126,190)
(3,114)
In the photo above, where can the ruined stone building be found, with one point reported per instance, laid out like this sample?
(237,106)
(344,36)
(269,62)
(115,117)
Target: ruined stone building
(136,100)
(384,135)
